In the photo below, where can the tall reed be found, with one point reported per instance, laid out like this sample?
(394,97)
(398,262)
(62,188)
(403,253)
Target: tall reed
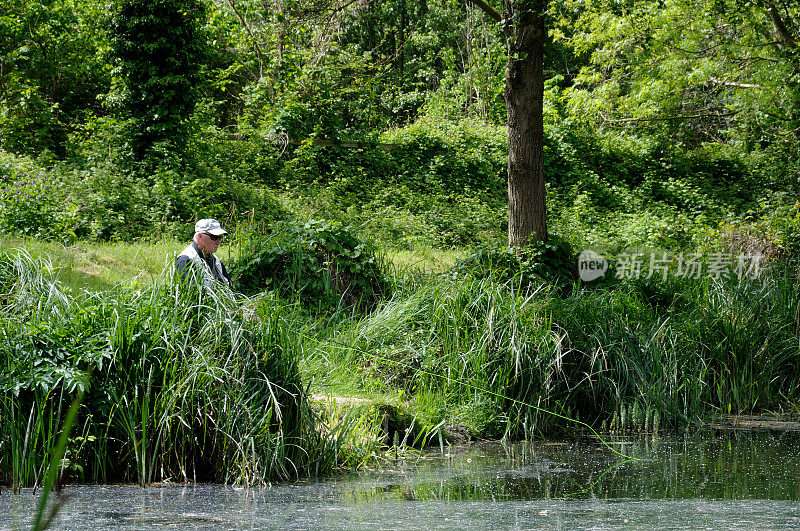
(180,383)
(464,347)
(637,354)
(685,348)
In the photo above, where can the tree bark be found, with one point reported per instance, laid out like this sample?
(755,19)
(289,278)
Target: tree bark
(524,94)
(788,47)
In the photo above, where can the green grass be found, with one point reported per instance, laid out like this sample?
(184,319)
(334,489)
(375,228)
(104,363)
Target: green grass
(100,266)
(179,384)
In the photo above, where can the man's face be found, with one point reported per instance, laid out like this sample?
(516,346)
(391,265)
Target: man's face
(208,243)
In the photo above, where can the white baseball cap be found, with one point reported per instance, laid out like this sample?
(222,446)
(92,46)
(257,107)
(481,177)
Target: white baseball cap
(209,226)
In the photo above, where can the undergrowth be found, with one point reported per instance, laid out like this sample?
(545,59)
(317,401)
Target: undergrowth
(498,358)
(179,383)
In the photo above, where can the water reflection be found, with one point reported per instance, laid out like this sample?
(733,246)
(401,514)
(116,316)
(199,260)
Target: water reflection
(733,467)
(746,480)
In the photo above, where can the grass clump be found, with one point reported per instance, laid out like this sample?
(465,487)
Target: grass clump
(179,383)
(681,348)
(511,359)
(450,345)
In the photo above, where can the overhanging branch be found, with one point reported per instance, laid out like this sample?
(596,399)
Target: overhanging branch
(734,84)
(780,27)
(668,118)
(486,8)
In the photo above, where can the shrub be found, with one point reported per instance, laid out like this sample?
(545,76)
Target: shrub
(117,207)
(442,157)
(35,202)
(250,156)
(212,196)
(317,262)
(350,173)
(553,261)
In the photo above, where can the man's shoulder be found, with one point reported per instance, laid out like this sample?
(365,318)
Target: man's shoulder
(184,259)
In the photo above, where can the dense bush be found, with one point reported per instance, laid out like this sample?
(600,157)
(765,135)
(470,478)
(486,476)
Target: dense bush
(220,179)
(434,183)
(178,383)
(317,262)
(553,261)
(444,157)
(612,192)
(250,156)
(158,50)
(443,183)
(37,203)
(351,174)
(104,203)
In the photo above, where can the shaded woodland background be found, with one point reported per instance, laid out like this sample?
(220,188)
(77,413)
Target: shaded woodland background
(662,119)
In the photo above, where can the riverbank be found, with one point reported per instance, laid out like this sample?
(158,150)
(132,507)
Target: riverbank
(456,355)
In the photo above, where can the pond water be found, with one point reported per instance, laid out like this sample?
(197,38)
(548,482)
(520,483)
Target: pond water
(745,480)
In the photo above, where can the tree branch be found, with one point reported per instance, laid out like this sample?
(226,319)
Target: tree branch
(667,118)
(780,28)
(249,31)
(486,8)
(733,84)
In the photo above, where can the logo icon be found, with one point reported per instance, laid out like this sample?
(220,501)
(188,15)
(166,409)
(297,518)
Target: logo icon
(591,265)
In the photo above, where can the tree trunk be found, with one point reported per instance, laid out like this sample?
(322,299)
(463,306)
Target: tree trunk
(786,44)
(524,93)
(401,45)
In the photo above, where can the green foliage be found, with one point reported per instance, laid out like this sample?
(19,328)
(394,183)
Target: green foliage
(349,174)
(429,157)
(451,157)
(208,91)
(52,72)
(697,80)
(221,179)
(117,206)
(158,48)
(605,191)
(553,261)
(317,262)
(430,183)
(179,383)
(248,157)
(213,196)
(682,345)
(36,203)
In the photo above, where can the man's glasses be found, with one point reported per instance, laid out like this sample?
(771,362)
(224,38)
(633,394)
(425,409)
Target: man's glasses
(213,237)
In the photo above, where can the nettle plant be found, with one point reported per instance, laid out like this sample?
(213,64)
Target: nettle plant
(316,262)
(553,261)
(37,204)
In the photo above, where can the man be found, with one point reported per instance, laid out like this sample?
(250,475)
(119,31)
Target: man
(207,235)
